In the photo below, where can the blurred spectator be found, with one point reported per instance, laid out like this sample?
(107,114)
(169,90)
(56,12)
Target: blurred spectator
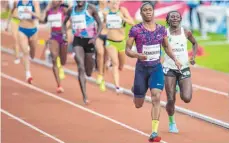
(95,2)
(193,4)
(220,2)
(43,4)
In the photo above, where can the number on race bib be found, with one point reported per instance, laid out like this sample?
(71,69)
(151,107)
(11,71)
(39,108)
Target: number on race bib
(22,14)
(152,52)
(78,22)
(114,21)
(55,20)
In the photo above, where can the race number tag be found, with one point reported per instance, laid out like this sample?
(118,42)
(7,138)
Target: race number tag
(114,21)
(22,14)
(55,20)
(152,52)
(78,22)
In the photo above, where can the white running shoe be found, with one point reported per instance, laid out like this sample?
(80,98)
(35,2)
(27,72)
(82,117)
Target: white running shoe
(17,61)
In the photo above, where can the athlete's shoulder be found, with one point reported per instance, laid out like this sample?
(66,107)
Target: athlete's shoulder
(135,30)
(123,9)
(69,10)
(137,26)
(187,32)
(91,6)
(159,26)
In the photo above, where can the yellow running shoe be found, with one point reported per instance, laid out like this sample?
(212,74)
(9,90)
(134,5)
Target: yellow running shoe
(102,86)
(99,79)
(60,68)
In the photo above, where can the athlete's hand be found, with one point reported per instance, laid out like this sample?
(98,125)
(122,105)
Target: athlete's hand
(192,61)
(141,57)
(64,37)
(91,41)
(178,64)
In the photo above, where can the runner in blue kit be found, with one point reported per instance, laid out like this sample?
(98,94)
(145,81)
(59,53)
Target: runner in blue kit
(149,37)
(178,38)
(28,13)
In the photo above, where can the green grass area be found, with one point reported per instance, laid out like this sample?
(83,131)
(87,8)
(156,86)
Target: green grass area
(217,58)
(216,55)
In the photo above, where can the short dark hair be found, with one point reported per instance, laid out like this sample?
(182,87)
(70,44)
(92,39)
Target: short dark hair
(145,3)
(167,17)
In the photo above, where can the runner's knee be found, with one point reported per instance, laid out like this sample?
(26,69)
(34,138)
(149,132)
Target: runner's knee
(138,103)
(88,73)
(100,53)
(25,51)
(121,67)
(170,103)
(187,99)
(115,64)
(155,97)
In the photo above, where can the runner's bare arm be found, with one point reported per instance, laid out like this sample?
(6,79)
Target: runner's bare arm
(168,51)
(193,41)
(128,51)
(97,19)
(37,10)
(126,16)
(44,20)
(10,15)
(64,27)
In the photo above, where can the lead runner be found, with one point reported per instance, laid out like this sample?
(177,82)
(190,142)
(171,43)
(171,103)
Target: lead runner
(149,37)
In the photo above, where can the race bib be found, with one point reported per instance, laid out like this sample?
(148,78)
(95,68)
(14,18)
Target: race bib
(114,21)
(152,52)
(55,20)
(178,51)
(78,22)
(22,14)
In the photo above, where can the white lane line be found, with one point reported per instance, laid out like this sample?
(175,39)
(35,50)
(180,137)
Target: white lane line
(31,126)
(74,104)
(129,93)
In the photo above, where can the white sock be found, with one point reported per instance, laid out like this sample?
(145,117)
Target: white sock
(27,74)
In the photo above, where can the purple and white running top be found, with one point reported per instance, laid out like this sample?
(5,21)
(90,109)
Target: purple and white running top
(148,42)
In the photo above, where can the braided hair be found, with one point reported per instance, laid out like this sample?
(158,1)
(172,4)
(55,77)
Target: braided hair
(168,15)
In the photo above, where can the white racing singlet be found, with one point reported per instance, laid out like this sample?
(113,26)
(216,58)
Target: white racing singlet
(55,20)
(152,52)
(179,47)
(22,14)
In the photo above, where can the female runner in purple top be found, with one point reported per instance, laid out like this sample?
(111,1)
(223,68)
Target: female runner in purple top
(58,47)
(149,37)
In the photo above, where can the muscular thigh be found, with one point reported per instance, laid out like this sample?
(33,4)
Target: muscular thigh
(23,41)
(140,82)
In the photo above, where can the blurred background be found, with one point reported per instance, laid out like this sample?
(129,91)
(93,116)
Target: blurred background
(208,20)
